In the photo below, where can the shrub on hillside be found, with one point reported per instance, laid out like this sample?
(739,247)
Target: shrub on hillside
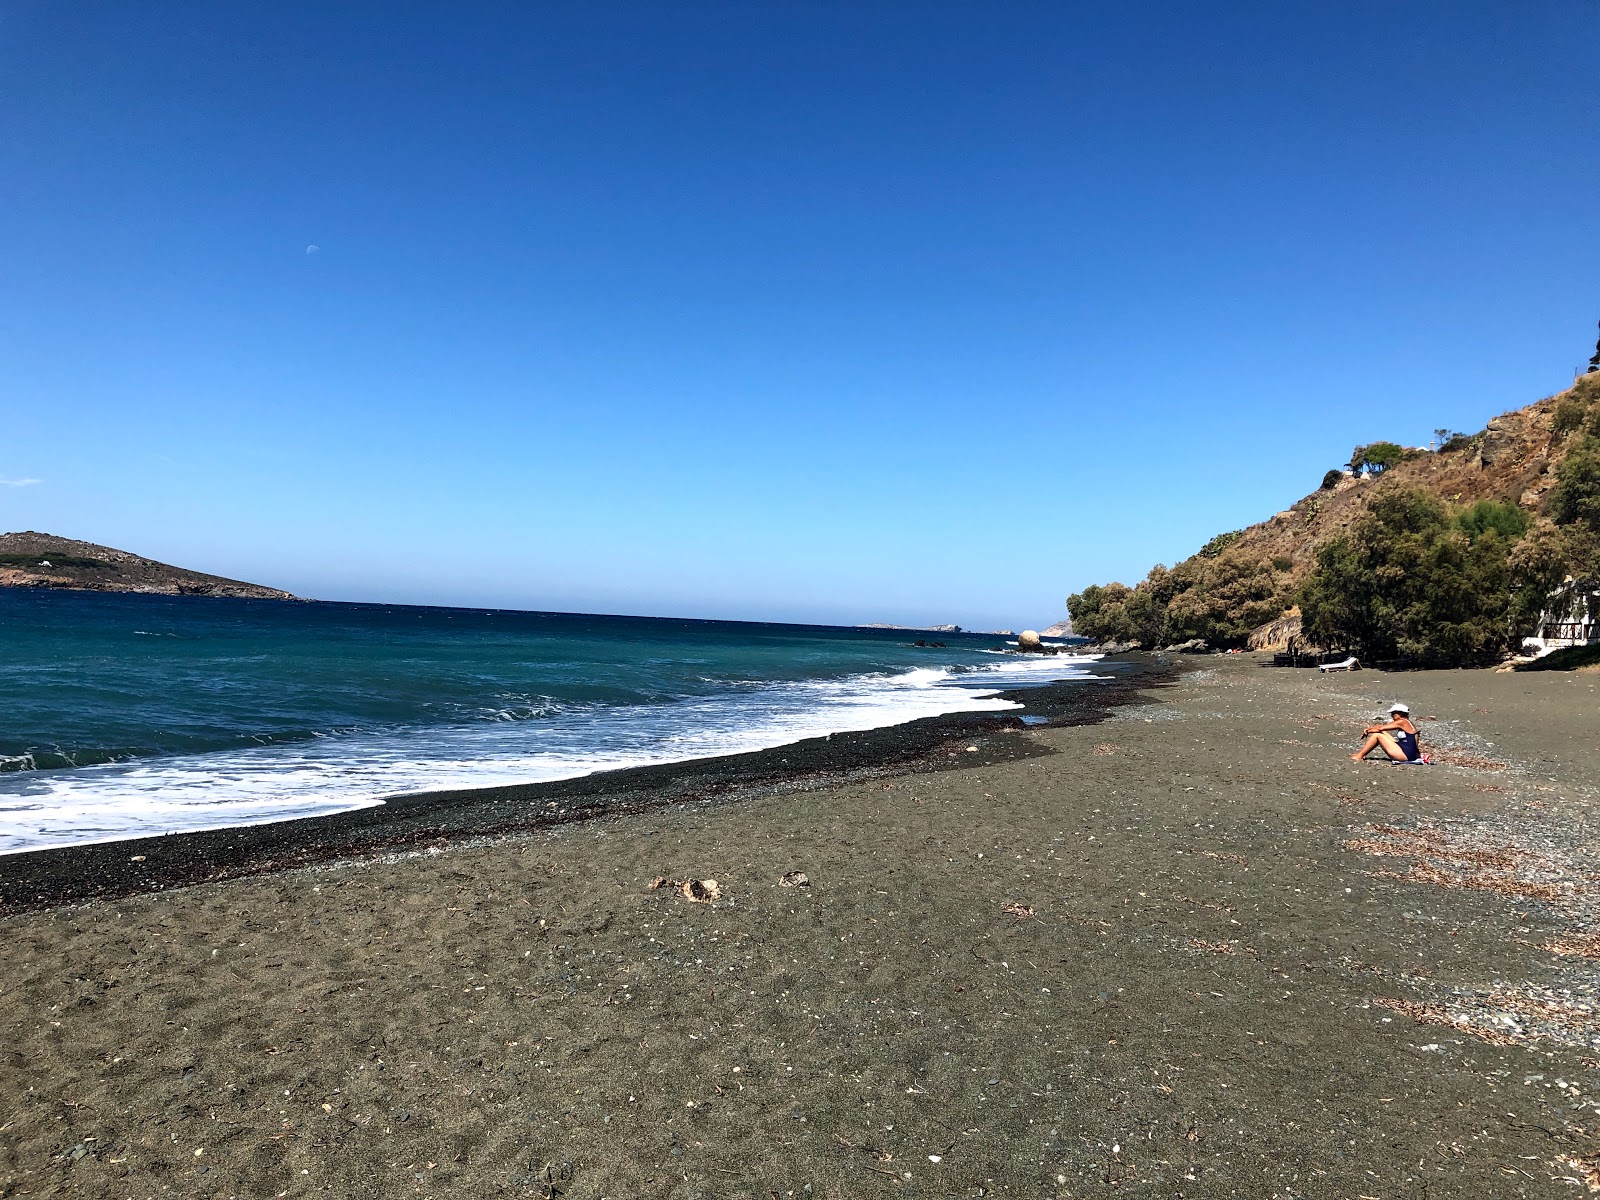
(1220,543)
(1576,497)
(1509,521)
(1568,416)
(1331,479)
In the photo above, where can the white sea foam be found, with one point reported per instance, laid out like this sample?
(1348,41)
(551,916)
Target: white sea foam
(344,772)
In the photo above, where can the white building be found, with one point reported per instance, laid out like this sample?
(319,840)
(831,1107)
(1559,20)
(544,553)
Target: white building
(1571,618)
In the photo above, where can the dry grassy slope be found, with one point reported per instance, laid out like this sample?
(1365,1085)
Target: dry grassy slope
(110,570)
(1512,459)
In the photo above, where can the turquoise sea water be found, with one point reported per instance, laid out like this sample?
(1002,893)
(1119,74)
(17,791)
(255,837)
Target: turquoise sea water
(125,716)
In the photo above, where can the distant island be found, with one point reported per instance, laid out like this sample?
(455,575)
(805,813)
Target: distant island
(43,560)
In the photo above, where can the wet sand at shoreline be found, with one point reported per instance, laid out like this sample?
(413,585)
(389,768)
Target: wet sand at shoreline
(1190,951)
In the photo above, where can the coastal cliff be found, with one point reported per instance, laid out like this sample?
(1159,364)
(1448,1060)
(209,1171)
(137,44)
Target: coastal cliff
(42,560)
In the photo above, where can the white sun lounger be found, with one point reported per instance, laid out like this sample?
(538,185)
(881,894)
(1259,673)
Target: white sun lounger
(1349,664)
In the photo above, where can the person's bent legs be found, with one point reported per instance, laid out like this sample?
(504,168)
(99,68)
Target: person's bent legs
(1380,741)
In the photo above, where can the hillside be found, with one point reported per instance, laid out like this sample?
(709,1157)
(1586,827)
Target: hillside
(1511,459)
(1247,578)
(42,560)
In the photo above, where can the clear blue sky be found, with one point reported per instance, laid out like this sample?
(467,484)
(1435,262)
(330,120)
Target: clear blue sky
(837,311)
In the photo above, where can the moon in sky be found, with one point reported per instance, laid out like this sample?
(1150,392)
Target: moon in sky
(313,248)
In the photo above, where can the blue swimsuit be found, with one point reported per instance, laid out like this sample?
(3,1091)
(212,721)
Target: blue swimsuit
(1408,745)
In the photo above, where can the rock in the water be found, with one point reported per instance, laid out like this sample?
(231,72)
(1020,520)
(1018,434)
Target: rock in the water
(1028,642)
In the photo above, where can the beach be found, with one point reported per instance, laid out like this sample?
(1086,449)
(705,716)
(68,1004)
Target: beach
(1176,946)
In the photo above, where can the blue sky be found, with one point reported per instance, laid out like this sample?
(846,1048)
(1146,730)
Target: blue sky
(798,311)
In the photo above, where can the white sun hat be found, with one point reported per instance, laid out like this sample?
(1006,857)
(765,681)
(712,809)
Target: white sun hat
(1398,707)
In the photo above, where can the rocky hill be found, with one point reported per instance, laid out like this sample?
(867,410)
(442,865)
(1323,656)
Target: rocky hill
(1511,459)
(1249,578)
(42,560)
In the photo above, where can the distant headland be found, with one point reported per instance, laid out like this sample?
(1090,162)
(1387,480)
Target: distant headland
(43,560)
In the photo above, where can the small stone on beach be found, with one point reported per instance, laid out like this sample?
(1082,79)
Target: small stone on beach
(700,891)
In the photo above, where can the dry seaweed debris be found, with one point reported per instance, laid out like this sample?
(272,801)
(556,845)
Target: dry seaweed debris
(1020,911)
(1574,944)
(1105,748)
(1563,1019)
(1511,1015)
(1437,1014)
(1435,843)
(1586,1165)
(1461,758)
(1484,881)
(1449,861)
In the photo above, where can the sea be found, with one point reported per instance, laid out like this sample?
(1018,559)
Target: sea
(126,716)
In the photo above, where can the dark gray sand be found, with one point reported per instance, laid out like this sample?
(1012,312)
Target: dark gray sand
(1234,964)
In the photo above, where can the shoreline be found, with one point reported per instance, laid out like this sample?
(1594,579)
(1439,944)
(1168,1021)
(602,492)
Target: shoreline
(48,878)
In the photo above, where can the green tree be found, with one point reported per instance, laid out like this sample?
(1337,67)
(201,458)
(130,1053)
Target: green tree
(1225,598)
(1540,563)
(1147,616)
(1575,500)
(1331,479)
(1376,458)
(1101,613)
(1411,582)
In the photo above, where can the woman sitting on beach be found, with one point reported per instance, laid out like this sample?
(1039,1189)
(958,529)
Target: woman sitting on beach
(1397,737)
